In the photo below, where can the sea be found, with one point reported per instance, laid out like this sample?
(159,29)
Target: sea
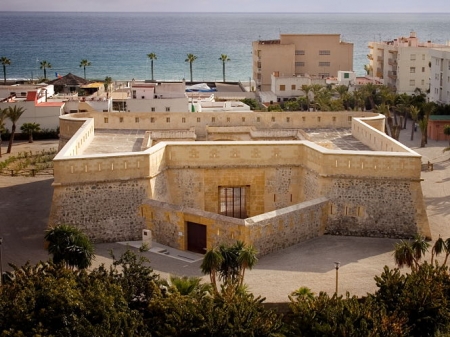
(117,44)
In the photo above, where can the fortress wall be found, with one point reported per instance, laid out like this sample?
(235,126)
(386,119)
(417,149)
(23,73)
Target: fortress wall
(200,120)
(375,138)
(107,211)
(83,128)
(375,207)
(268,232)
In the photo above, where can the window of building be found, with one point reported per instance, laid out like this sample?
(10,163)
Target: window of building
(412,83)
(152,119)
(228,119)
(167,119)
(183,120)
(324,52)
(105,119)
(232,202)
(323,75)
(153,109)
(121,119)
(288,119)
(299,64)
(299,52)
(412,57)
(423,69)
(167,109)
(213,119)
(349,118)
(258,119)
(346,75)
(273,119)
(422,82)
(198,120)
(303,119)
(324,64)
(282,87)
(412,70)
(318,119)
(136,119)
(243,119)
(293,87)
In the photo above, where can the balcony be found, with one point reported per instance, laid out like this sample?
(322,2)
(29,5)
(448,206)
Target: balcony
(392,62)
(392,75)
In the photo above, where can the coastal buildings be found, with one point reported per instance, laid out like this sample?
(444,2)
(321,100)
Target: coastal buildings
(319,55)
(402,64)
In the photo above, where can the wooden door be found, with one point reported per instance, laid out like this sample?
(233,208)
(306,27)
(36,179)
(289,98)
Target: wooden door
(196,237)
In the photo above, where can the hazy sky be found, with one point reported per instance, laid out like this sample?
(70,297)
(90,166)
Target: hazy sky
(290,6)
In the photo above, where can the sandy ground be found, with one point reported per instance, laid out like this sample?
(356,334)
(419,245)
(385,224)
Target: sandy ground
(25,205)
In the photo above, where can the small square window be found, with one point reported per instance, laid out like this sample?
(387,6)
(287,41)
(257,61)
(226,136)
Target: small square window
(152,119)
(167,119)
(282,87)
(121,119)
(198,119)
(183,120)
(258,119)
(243,119)
(105,119)
(228,119)
(303,119)
(349,118)
(153,109)
(167,109)
(318,119)
(293,87)
(213,119)
(136,119)
(288,119)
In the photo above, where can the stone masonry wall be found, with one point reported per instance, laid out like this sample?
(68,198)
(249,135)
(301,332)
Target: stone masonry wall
(105,211)
(372,207)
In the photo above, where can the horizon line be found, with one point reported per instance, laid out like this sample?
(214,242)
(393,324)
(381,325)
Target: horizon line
(218,12)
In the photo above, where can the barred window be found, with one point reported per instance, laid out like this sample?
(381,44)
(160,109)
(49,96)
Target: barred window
(324,64)
(324,52)
(299,64)
(299,52)
(232,202)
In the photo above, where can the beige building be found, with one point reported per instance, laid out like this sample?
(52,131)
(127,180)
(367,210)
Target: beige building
(403,64)
(321,55)
(269,179)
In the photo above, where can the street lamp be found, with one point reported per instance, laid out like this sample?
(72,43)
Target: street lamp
(336,266)
(1,262)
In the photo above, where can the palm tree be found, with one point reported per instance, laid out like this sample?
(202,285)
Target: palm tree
(409,253)
(5,62)
(224,58)
(414,111)
(29,128)
(107,85)
(152,56)
(447,132)
(368,69)
(211,263)
(70,246)
(13,114)
(190,58)
(84,63)
(3,115)
(246,259)
(45,65)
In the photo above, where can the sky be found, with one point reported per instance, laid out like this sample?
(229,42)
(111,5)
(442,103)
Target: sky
(271,6)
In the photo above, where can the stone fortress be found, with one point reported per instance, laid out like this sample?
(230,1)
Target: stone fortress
(271,179)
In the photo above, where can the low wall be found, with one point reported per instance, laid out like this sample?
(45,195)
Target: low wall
(268,232)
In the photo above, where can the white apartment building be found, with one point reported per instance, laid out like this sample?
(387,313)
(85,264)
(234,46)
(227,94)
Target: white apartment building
(403,63)
(440,75)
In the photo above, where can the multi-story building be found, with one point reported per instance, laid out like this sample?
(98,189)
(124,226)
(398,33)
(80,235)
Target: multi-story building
(403,64)
(440,75)
(320,55)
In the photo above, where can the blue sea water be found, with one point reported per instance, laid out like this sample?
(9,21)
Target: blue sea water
(117,43)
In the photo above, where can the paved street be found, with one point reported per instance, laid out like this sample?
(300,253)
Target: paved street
(25,205)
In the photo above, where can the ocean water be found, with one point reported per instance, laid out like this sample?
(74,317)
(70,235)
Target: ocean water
(117,43)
